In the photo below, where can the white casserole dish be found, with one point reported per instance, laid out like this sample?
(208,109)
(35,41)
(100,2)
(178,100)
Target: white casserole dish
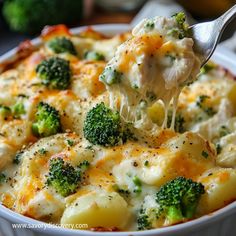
(218,223)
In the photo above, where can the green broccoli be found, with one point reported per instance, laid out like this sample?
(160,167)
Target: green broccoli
(55,73)
(176,201)
(183,27)
(94,56)
(110,76)
(143,220)
(63,177)
(102,126)
(30,16)
(47,121)
(62,45)
(180,18)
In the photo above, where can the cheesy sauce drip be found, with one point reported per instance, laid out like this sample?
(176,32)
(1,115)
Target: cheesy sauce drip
(154,64)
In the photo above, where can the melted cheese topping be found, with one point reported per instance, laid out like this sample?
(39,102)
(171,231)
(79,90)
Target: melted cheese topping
(106,198)
(153,65)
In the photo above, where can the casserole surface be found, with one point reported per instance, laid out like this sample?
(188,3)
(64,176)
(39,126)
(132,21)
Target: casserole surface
(219,71)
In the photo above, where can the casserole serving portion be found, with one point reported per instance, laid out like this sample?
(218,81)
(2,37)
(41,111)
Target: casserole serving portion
(54,169)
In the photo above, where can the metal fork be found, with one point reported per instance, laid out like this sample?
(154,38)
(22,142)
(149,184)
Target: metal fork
(207,35)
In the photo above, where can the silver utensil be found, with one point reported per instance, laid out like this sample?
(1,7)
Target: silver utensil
(207,35)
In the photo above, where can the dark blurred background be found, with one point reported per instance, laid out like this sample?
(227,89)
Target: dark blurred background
(23,19)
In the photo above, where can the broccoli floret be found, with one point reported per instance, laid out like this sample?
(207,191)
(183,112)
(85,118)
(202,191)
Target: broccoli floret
(180,18)
(183,27)
(63,177)
(111,76)
(55,73)
(30,16)
(62,45)
(94,56)
(178,199)
(47,121)
(102,126)
(143,221)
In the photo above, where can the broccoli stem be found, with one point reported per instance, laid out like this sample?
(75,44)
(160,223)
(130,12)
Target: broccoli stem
(174,214)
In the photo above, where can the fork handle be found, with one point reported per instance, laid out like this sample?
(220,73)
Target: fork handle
(228,16)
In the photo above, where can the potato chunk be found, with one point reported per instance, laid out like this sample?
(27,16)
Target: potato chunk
(220,189)
(45,205)
(186,155)
(227,156)
(98,209)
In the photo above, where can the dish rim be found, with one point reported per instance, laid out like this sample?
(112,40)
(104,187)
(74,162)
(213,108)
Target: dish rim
(221,56)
